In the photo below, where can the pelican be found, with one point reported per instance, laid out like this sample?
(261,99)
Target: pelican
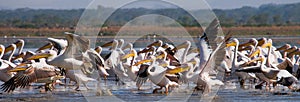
(58,44)
(5,66)
(77,56)
(236,65)
(182,51)
(29,73)
(11,48)
(157,76)
(113,60)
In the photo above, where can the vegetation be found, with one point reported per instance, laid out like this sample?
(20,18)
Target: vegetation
(245,20)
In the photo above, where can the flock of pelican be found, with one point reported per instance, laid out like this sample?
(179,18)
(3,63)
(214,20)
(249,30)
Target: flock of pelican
(160,63)
(163,64)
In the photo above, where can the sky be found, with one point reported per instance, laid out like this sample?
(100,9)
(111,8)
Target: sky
(191,4)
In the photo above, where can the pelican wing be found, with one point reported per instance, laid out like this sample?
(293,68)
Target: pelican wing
(23,78)
(95,59)
(59,44)
(76,44)
(216,42)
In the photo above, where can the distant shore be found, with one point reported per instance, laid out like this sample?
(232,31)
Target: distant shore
(109,32)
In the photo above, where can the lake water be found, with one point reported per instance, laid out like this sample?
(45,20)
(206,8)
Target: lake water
(111,92)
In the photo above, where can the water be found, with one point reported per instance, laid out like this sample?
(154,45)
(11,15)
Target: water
(111,92)
(128,92)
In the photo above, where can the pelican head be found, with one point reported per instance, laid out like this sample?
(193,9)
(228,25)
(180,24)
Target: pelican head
(128,46)
(295,52)
(50,54)
(132,53)
(284,47)
(256,52)
(113,44)
(234,42)
(261,41)
(120,43)
(156,43)
(252,41)
(10,48)
(148,49)
(267,44)
(183,45)
(98,49)
(46,46)
(291,49)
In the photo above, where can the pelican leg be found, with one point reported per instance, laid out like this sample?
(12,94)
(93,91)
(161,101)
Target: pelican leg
(86,86)
(242,82)
(77,86)
(267,86)
(167,89)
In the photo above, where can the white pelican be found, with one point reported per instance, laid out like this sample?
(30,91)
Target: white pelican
(236,65)
(11,48)
(5,66)
(91,61)
(113,60)
(75,57)
(182,51)
(156,74)
(28,73)
(59,45)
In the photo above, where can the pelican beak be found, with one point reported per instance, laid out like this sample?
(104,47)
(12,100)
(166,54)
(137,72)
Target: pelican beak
(10,48)
(257,59)
(177,70)
(58,77)
(49,45)
(98,49)
(231,44)
(108,44)
(19,56)
(164,65)
(146,50)
(284,47)
(194,50)
(245,44)
(160,56)
(38,56)
(267,45)
(295,52)
(181,46)
(126,47)
(291,49)
(261,41)
(142,61)
(245,48)
(19,43)
(156,43)
(1,48)
(256,52)
(193,62)
(128,55)
(17,69)
(165,46)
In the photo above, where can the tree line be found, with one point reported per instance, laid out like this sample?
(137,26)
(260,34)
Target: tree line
(265,15)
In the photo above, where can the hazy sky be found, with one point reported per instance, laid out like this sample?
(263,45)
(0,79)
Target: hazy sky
(71,4)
